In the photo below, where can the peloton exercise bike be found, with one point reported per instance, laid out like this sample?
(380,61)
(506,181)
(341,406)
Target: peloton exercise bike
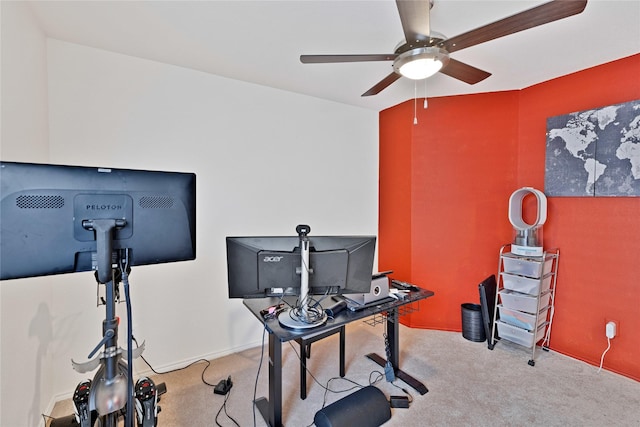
(108,397)
(58,219)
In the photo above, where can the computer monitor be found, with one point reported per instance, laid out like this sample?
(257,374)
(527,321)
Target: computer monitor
(50,214)
(271,266)
(487,289)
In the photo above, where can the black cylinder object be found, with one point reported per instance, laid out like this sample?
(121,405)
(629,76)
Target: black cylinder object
(367,407)
(472,326)
(335,308)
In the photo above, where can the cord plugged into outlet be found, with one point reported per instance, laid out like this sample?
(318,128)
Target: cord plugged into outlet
(611,329)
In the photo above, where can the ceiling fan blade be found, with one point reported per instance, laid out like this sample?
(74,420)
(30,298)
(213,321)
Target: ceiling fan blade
(382,84)
(324,59)
(539,15)
(464,72)
(414,16)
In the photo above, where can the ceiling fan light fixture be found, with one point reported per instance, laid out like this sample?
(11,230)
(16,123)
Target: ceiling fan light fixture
(420,63)
(422,68)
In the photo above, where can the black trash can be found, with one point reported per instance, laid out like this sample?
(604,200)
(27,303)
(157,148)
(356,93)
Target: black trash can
(472,326)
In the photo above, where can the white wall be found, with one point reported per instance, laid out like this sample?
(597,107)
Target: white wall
(24,85)
(266,160)
(26,363)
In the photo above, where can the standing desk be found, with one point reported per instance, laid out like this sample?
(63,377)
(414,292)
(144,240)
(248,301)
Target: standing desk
(271,407)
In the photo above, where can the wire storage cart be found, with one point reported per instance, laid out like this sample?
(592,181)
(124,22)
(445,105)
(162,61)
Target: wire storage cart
(524,303)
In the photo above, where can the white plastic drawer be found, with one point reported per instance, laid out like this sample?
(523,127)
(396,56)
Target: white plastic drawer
(526,285)
(521,319)
(527,266)
(522,302)
(519,335)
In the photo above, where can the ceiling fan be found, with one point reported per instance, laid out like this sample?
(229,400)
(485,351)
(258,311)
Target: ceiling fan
(423,52)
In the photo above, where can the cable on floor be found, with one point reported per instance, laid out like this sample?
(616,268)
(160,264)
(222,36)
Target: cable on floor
(255,387)
(179,369)
(224,406)
(605,352)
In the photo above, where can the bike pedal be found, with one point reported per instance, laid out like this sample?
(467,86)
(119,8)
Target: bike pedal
(81,403)
(146,402)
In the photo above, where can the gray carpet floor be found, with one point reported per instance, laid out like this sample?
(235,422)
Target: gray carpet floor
(468,384)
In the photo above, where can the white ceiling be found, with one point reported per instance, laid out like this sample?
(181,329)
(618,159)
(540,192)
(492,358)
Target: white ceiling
(261,41)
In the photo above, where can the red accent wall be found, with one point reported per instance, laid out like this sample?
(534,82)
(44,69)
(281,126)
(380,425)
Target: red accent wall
(444,190)
(394,188)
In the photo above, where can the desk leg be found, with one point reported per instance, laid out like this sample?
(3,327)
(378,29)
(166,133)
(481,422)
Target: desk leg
(271,409)
(342,345)
(393,335)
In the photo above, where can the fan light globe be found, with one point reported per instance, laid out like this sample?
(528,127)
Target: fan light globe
(419,69)
(418,64)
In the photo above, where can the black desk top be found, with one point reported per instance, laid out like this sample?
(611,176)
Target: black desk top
(344,317)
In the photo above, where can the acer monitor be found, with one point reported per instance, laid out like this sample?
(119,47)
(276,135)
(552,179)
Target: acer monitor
(258,267)
(48,217)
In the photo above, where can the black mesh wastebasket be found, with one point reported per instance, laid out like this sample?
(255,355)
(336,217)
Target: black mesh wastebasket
(472,326)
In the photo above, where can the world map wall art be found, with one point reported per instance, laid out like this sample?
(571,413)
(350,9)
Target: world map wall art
(594,152)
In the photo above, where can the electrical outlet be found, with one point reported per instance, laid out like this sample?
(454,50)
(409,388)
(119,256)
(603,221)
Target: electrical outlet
(610,329)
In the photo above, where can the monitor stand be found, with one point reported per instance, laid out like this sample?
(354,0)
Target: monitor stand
(304,316)
(291,321)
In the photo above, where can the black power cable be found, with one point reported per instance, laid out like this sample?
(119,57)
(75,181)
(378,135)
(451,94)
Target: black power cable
(125,280)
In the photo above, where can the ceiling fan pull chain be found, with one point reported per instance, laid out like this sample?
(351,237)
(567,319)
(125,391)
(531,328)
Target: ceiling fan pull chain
(415,102)
(426,103)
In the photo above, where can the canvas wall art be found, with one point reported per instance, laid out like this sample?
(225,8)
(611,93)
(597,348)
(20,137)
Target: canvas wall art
(594,152)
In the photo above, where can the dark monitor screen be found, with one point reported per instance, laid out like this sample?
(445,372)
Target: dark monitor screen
(265,266)
(487,289)
(44,210)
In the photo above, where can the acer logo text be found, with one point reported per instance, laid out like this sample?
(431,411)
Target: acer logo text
(272,259)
